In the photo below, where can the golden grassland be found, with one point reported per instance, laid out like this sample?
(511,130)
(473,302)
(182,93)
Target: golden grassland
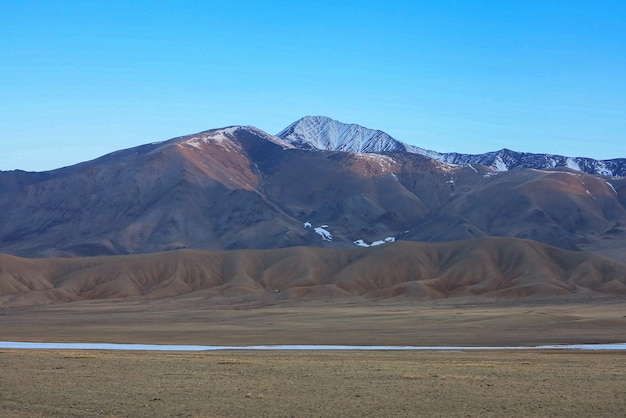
(39,383)
(75,383)
(346,321)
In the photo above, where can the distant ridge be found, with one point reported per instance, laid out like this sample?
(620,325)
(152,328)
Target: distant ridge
(319,132)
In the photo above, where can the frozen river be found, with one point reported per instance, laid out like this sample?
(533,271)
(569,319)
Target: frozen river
(159,347)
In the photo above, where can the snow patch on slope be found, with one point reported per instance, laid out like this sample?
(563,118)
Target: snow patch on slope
(321,230)
(499,164)
(612,187)
(324,233)
(602,169)
(226,138)
(385,162)
(221,137)
(444,166)
(571,163)
(362,243)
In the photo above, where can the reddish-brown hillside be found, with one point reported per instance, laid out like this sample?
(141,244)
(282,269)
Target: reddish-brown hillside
(488,267)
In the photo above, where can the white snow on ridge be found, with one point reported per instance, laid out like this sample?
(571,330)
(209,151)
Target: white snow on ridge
(552,162)
(426,153)
(323,133)
(602,169)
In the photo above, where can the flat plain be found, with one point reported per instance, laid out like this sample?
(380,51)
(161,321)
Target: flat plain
(347,321)
(37,383)
(66,383)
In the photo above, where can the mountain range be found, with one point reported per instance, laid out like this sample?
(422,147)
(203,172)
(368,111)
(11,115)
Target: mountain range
(319,132)
(241,188)
(317,183)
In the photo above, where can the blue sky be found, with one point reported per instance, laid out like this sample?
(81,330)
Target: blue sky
(79,79)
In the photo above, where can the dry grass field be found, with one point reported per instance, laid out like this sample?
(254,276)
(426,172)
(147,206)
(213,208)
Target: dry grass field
(318,384)
(73,383)
(349,321)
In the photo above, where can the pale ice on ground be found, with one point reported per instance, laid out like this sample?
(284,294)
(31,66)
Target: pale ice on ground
(164,347)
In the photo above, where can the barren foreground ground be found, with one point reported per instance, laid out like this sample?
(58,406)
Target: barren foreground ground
(323,384)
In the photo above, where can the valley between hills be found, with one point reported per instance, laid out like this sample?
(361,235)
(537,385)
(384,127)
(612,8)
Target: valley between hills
(326,233)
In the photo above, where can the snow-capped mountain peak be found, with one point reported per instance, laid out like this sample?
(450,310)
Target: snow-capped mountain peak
(323,133)
(320,132)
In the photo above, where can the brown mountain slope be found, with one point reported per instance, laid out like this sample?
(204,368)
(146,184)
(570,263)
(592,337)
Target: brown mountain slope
(224,189)
(562,208)
(240,188)
(196,191)
(490,267)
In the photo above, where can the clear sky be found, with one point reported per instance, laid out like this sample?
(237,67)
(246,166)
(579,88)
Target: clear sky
(79,79)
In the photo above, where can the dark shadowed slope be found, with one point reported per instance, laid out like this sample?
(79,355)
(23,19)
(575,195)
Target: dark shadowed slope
(490,267)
